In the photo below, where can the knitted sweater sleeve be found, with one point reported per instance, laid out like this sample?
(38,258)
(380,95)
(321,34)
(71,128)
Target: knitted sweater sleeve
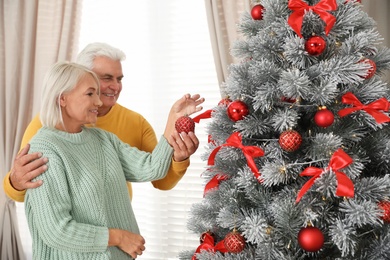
(177,169)
(48,211)
(140,166)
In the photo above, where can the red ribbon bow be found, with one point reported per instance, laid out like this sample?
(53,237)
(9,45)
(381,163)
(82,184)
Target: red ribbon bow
(338,161)
(206,114)
(214,182)
(299,8)
(208,245)
(250,152)
(373,108)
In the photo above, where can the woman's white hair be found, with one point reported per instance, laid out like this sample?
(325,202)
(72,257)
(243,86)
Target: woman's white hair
(98,49)
(61,78)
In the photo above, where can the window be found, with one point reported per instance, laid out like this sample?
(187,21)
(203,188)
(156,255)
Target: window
(169,54)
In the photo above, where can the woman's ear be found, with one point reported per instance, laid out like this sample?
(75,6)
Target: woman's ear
(62,100)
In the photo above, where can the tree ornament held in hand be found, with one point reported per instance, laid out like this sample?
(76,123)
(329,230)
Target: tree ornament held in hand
(324,117)
(311,239)
(234,242)
(385,206)
(237,110)
(257,12)
(185,124)
(290,140)
(315,45)
(371,71)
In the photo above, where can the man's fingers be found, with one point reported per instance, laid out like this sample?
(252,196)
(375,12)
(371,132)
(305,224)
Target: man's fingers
(34,165)
(22,160)
(24,151)
(36,172)
(25,170)
(32,185)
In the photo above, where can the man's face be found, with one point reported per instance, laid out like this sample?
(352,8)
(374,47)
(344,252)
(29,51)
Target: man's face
(110,74)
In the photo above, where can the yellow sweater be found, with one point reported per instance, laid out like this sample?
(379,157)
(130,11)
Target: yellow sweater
(131,128)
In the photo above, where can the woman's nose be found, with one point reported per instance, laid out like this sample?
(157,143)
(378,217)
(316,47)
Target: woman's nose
(98,102)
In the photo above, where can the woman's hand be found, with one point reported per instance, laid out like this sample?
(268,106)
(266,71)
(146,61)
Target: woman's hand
(184,145)
(185,106)
(131,243)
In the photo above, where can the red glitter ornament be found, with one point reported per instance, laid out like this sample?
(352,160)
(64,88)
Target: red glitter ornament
(371,71)
(315,45)
(311,239)
(324,117)
(234,242)
(237,110)
(290,140)
(257,12)
(385,206)
(185,124)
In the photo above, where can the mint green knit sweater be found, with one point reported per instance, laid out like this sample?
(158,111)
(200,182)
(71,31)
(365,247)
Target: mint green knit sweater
(84,192)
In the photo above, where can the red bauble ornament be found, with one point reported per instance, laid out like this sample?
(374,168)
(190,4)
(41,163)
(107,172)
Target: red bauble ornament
(290,140)
(371,71)
(185,124)
(257,12)
(234,242)
(311,239)
(385,206)
(224,102)
(315,45)
(237,110)
(324,118)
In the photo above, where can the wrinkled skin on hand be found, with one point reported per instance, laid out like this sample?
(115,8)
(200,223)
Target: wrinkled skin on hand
(184,145)
(25,168)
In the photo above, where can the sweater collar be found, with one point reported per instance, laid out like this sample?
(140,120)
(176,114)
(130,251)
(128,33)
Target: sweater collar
(76,138)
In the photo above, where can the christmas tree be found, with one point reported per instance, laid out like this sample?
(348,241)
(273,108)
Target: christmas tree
(298,156)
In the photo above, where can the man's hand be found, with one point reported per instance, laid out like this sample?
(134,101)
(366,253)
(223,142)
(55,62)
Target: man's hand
(25,168)
(184,145)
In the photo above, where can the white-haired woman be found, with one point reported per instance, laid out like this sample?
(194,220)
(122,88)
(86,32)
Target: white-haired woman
(83,211)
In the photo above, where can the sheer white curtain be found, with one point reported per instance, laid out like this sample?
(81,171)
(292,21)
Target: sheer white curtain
(33,35)
(168,51)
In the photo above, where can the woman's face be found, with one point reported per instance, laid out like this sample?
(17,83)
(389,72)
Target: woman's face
(80,105)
